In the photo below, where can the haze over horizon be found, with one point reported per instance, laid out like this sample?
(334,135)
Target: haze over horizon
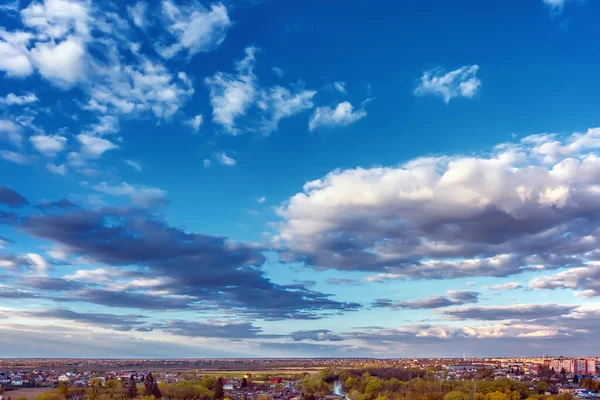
(299,179)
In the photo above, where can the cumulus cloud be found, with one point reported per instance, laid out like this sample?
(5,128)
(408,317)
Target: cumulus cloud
(93,146)
(70,43)
(452,216)
(61,29)
(14,55)
(62,63)
(462,82)
(342,115)
(49,145)
(12,99)
(585,279)
(194,28)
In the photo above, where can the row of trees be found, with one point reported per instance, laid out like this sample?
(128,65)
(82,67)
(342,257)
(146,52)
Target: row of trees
(399,384)
(208,388)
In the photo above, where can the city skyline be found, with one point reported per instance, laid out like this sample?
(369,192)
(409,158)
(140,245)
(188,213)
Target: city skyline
(276,179)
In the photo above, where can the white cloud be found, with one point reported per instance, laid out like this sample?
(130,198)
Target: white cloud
(137,13)
(62,64)
(143,196)
(195,28)
(12,99)
(141,87)
(340,87)
(94,146)
(134,164)
(503,286)
(231,95)
(14,56)
(38,264)
(196,122)
(16,158)
(462,82)
(11,132)
(554,4)
(278,71)
(96,275)
(56,19)
(261,200)
(69,43)
(10,6)
(279,103)
(206,163)
(440,217)
(57,169)
(61,31)
(225,159)
(106,124)
(342,115)
(585,278)
(48,145)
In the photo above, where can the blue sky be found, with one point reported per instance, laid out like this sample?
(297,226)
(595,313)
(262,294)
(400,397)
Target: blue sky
(270,178)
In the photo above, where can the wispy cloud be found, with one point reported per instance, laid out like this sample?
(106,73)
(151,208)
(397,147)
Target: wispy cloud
(224,159)
(342,115)
(462,82)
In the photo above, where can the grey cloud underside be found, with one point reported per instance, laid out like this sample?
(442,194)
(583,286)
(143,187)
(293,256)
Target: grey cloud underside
(526,206)
(62,203)
(586,279)
(11,198)
(24,342)
(451,299)
(244,330)
(343,281)
(190,270)
(8,293)
(118,322)
(516,312)
(318,335)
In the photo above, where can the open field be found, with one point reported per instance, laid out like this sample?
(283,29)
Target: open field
(28,393)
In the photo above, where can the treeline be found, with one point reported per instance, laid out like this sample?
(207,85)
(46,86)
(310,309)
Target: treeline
(412,384)
(208,388)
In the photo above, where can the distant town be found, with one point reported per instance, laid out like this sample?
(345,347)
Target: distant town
(294,379)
